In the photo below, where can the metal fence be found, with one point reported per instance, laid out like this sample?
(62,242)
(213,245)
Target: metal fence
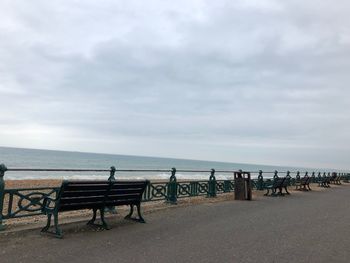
(26,202)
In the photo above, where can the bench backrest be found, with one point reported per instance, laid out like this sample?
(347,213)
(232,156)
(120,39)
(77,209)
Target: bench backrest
(75,195)
(278,182)
(122,193)
(304,180)
(286,181)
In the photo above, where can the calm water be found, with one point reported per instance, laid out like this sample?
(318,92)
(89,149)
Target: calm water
(30,158)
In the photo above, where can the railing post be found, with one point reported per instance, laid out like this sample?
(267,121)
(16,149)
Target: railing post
(297,177)
(111,178)
(260,185)
(289,177)
(212,184)
(112,173)
(313,177)
(172,188)
(292,179)
(3,169)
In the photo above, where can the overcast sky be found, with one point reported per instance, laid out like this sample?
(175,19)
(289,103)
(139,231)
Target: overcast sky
(260,81)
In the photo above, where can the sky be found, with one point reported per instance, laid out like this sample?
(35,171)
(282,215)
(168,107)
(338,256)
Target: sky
(258,81)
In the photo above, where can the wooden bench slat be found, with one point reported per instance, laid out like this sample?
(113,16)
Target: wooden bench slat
(89,182)
(100,192)
(79,206)
(89,199)
(84,193)
(125,186)
(123,197)
(122,202)
(85,187)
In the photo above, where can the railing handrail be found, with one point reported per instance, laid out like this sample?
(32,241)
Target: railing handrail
(147,170)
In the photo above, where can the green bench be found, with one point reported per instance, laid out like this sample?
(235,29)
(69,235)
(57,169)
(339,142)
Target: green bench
(278,183)
(303,184)
(336,179)
(324,181)
(94,195)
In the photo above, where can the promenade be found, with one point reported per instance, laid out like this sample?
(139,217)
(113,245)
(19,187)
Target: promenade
(304,227)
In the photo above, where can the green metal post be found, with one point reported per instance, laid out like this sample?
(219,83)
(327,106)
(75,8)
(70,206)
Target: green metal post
(172,188)
(292,179)
(288,177)
(112,173)
(3,169)
(260,184)
(111,178)
(212,184)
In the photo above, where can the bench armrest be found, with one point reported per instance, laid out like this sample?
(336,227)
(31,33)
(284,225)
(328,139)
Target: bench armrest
(47,203)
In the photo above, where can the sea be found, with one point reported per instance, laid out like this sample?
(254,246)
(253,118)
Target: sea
(50,159)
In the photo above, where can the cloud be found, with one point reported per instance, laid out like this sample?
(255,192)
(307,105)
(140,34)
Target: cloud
(259,82)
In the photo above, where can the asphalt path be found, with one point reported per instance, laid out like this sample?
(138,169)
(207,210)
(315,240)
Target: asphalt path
(304,227)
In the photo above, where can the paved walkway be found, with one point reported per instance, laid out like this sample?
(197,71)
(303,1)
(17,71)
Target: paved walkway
(305,227)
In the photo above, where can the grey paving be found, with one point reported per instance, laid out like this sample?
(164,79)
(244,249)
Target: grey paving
(305,227)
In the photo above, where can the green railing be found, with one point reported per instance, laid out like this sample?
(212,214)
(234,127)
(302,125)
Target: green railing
(26,202)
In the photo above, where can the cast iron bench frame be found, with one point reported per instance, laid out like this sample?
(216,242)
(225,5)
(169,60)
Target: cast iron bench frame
(285,185)
(95,195)
(303,183)
(278,183)
(325,181)
(336,179)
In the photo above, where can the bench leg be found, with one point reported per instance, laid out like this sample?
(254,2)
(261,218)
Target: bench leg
(308,186)
(104,224)
(58,230)
(102,215)
(285,188)
(92,221)
(141,220)
(48,224)
(273,192)
(267,193)
(281,191)
(130,213)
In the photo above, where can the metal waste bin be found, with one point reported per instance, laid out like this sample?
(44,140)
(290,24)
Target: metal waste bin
(243,188)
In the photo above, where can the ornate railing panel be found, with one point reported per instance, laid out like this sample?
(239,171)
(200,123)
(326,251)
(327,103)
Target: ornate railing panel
(26,202)
(155,192)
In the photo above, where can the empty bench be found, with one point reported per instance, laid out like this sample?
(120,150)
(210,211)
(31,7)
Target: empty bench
(324,181)
(94,195)
(303,184)
(276,184)
(336,179)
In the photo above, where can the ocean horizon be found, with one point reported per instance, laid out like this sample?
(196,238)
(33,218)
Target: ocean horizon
(57,159)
